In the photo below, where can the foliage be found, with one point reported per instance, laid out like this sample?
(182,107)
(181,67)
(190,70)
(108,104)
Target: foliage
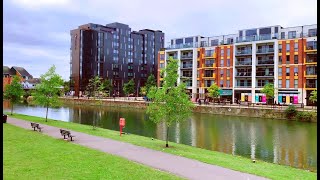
(107,86)
(306,116)
(46,93)
(93,86)
(151,82)
(65,160)
(214,90)
(66,86)
(238,163)
(128,87)
(313,96)
(14,91)
(291,112)
(143,90)
(170,103)
(268,89)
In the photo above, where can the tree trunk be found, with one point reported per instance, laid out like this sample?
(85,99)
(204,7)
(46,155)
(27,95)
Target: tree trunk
(47,113)
(167,145)
(11,108)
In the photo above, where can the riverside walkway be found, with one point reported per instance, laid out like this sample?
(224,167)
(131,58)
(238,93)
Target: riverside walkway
(181,166)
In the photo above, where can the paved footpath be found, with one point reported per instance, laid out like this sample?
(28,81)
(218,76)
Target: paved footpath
(181,166)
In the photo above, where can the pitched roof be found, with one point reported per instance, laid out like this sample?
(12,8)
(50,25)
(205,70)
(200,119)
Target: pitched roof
(33,81)
(22,71)
(6,70)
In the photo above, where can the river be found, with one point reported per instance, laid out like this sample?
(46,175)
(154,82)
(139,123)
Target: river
(277,141)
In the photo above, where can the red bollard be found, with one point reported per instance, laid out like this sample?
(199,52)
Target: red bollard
(122,123)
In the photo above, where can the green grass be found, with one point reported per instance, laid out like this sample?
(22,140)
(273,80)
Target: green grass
(260,168)
(31,155)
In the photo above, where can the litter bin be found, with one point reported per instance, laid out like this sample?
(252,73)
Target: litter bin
(4,118)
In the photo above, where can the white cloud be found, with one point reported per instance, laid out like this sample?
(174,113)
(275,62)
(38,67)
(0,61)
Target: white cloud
(38,4)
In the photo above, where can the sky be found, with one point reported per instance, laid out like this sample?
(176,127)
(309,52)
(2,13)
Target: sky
(36,33)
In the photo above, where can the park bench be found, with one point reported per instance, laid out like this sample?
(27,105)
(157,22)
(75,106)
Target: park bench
(65,133)
(36,125)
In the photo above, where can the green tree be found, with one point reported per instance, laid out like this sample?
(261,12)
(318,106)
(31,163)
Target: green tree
(313,96)
(143,90)
(13,91)
(66,86)
(170,103)
(107,86)
(214,91)
(46,93)
(151,82)
(128,88)
(93,86)
(268,89)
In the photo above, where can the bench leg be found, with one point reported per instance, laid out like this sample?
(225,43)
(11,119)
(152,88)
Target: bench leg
(34,128)
(40,130)
(64,136)
(71,138)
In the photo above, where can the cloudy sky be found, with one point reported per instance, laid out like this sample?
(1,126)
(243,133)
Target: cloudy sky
(37,32)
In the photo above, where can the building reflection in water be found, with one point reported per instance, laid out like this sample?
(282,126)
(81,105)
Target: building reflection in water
(282,142)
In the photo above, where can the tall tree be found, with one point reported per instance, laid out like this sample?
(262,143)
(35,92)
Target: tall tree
(13,91)
(46,93)
(66,86)
(170,103)
(93,86)
(128,88)
(151,82)
(107,86)
(313,96)
(214,91)
(268,89)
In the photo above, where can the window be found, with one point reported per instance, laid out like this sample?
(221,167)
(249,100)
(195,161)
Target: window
(280,83)
(280,59)
(228,52)
(228,83)
(287,83)
(222,52)
(291,34)
(282,35)
(228,62)
(287,71)
(295,71)
(288,59)
(288,47)
(296,83)
(295,59)
(221,83)
(228,72)
(221,63)
(221,72)
(312,32)
(296,46)
(280,71)
(280,48)
(215,42)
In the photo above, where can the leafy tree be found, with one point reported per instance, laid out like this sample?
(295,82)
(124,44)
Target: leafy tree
(290,112)
(268,89)
(313,96)
(170,103)
(151,82)
(143,90)
(93,86)
(46,93)
(66,86)
(107,86)
(214,91)
(13,91)
(128,88)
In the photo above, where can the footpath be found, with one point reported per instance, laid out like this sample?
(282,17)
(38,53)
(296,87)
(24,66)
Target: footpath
(181,166)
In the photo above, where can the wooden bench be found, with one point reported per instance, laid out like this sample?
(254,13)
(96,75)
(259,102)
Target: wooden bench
(36,125)
(65,133)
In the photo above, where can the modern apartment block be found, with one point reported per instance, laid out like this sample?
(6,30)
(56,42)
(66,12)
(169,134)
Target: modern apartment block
(242,63)
(113,52)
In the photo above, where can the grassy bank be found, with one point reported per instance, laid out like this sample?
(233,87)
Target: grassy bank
(31,155)
(238,163)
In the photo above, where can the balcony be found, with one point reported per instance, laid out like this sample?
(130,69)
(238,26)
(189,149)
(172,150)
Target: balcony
(311,60)
(243,74)
(311,85)
(186,57)
(180,46)
(243,86)
(264,74)
(265,51)
(244,52)
(246,62)
(174,57)
(256,38)
(265,62)
(208,65)
(185,77)
(186,66)
(311,48)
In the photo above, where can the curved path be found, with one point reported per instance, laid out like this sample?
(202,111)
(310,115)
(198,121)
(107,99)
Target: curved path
(181,166)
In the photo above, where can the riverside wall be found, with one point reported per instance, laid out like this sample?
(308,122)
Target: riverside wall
(212,109)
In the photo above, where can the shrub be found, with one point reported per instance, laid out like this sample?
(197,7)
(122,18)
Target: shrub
(305,116)
(291,112)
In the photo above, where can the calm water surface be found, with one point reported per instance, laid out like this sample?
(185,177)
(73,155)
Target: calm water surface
(282,142)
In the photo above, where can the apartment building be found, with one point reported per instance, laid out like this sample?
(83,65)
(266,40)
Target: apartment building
(113,52)
(242,63)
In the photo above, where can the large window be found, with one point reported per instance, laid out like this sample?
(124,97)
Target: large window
(189,40)
(287,71)
(228,83)
(228,52)
(280,60)
(280,83)
(209,53)
(292,34)
(221,72)
(296,46)
(179,41)
(215,42)
(280,71)
(280,48)
(295,70)
(283,35)
(221,63)
(287,83)
(312,32)
(228,72)
(295,59)
(228,62)
(296,83)
(288,59)
(221,83)
(288,47)
(222,52)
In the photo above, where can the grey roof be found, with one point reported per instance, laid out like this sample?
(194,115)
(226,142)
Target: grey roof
(33,81)
(6,70)
(22,71)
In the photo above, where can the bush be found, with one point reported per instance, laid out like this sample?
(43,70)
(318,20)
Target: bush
(291,112)
(305,116)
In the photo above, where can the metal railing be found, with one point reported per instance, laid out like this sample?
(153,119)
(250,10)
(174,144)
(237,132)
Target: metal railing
(265,74)
(187,57)
(244,52)
(311,60)
(243,63)
(187,66)
(265,61)
(311,85)
(244,74)
(265,50)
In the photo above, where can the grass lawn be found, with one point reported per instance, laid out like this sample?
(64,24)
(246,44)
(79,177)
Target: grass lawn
(260,168)
(32,155)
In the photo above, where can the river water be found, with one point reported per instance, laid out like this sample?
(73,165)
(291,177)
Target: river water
(277,141)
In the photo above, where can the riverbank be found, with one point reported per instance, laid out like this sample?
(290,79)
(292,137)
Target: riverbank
(238,163)
(228,110)
(32,155)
